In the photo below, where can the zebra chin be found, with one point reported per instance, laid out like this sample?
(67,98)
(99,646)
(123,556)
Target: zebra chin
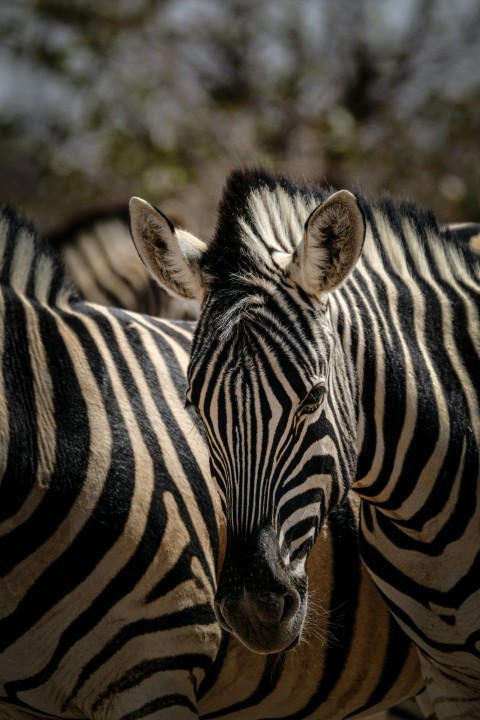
(255,623)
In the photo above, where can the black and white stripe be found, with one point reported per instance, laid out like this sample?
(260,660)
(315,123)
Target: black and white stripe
(107,555)
(319,365)
(111,533)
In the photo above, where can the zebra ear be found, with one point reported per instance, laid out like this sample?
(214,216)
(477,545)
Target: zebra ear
(171,255)
(333,240)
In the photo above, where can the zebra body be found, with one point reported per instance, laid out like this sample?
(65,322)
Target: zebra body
(108,555)
(338,346)
(111,534)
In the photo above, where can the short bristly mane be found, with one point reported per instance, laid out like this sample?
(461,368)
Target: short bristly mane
(259,215)
(262,216)
(261,220)
(29,265)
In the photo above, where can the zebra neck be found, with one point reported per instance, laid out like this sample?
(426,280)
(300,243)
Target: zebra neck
(408,436)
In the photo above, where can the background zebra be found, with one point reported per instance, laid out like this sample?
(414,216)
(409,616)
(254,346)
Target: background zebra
(111,534)
(109,531)
(338,345)
(465,232)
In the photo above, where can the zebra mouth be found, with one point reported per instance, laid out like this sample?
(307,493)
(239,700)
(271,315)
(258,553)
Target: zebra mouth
(262,622)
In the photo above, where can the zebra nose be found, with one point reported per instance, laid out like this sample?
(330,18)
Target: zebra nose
(268,607)
(276,607)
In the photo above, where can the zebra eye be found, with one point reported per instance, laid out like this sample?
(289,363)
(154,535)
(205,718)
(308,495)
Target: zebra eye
(313,399)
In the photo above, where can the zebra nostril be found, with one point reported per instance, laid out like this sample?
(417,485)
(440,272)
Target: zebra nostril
(273,607)
(278,607)
(291,603)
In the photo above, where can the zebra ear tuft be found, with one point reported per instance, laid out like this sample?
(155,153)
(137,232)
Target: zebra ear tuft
(333,240)
(171,255)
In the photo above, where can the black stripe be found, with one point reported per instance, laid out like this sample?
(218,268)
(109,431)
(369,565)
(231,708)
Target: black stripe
(174,700)
(343,605)
(452,598)
(22,460)
(200,614)
(147,668)
(266,685)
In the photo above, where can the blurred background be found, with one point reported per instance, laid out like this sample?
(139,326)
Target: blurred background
(102,99)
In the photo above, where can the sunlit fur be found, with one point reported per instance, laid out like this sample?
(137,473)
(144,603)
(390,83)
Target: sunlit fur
(398,345)
(264,452)
(280,463)
(410,315)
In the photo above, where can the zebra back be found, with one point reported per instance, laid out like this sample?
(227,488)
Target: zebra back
(28,266)
(464,233)
(110,532)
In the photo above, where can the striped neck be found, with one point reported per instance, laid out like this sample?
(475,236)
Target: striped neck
(417,399)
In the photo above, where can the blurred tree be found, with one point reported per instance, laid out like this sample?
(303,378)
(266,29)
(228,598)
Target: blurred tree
(99,100)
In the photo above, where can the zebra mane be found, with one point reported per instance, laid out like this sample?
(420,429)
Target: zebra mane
(29,265)
(262,216)
(407,240)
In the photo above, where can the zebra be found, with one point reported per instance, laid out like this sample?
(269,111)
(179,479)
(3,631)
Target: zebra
(97,249)
(338,347)
(112,533)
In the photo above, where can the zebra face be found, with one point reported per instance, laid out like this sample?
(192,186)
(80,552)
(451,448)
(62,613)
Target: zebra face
(272,402)
(269,380)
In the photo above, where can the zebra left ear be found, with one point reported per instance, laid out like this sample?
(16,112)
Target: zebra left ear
(333,240)
(172,256)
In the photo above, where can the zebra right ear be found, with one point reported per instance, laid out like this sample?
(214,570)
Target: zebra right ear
(333,241)
(171,255)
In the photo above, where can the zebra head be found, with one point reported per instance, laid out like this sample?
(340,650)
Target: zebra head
(269,380)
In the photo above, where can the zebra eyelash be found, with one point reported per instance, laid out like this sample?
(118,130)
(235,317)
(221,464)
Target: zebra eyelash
(312,401)
(315,396)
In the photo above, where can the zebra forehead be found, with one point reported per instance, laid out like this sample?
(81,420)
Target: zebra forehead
(260,221)
(230,310)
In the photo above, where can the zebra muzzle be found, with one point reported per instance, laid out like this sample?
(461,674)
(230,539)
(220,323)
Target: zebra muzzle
(259,601)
